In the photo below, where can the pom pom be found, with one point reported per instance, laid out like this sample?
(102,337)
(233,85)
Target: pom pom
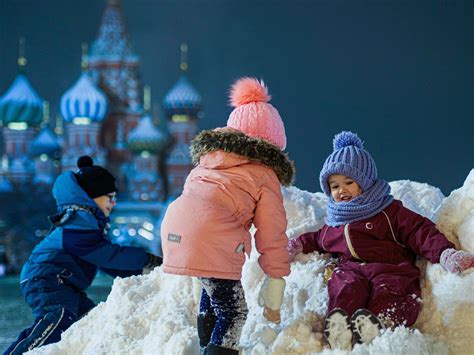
(247,90)
(345,139)
(84,161)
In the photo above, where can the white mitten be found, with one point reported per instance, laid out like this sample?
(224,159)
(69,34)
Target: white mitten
(271,293)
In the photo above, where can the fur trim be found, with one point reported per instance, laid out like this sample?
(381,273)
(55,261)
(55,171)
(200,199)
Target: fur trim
(255,149)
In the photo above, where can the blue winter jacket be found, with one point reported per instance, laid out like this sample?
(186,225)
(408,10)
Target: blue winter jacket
(66,261)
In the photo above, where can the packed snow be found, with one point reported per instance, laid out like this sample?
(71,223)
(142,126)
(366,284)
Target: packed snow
(156,313)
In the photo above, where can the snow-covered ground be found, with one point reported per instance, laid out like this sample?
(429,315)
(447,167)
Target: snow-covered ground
(156,313)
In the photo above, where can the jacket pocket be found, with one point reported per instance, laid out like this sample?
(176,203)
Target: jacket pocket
(238,257)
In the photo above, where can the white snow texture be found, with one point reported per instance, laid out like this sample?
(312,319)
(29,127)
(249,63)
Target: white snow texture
(156,313)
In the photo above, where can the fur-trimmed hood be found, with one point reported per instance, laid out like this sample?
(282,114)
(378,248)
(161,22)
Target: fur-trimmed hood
(255,149)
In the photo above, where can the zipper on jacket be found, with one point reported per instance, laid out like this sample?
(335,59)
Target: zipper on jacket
(391,230)
(349,243)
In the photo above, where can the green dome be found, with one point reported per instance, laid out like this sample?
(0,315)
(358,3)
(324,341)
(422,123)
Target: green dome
(146,137)
(21,103)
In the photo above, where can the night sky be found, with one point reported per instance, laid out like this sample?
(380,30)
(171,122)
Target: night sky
(399,73)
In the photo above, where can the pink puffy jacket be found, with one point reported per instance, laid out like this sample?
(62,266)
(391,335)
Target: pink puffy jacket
(205,232)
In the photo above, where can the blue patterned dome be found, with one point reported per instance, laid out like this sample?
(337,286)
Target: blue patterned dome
(146,137)
(182,99)
(21,103)
(84,100)
(46,142)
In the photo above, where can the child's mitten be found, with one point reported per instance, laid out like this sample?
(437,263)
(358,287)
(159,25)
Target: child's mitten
(295,247)
(271,298)
(456,260)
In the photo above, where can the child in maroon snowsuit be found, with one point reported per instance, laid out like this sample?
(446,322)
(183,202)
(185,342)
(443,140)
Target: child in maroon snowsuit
(376,241)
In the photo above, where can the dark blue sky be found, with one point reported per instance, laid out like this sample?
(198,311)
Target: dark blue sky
(399,73)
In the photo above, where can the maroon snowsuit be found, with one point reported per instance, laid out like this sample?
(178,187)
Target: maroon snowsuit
(376,268)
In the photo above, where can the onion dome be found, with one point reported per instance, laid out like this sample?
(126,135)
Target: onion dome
(45,142)
(21,103)
(84,100)
(146,137)
(182,99)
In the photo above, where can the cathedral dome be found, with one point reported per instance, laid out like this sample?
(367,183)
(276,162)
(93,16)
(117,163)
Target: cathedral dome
(84,100)
(45,142)
(146,137)
(21,103)
(182,98)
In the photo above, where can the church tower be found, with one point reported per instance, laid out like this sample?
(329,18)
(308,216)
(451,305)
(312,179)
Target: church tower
(114,68)
(21,111)
(83,108)
(183,107)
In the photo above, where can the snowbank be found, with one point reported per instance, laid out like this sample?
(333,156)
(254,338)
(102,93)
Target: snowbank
(155,313)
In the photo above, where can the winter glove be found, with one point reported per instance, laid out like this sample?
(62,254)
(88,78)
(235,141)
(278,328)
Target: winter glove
(271,298)
(153,261)
(295,247)
(456,260)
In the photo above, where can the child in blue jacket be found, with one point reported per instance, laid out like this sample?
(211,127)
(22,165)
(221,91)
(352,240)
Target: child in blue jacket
(65,263)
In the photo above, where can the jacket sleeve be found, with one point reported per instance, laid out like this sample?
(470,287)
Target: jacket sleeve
(421,235)
(311,242)
(84,239)
(270,221)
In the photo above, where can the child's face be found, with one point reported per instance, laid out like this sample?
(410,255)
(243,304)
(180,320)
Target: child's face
(106,202)
(343,188)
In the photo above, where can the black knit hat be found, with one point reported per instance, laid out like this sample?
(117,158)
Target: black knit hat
(93,179)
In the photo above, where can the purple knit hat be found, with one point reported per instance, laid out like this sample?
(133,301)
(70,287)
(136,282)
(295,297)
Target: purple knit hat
(349,158)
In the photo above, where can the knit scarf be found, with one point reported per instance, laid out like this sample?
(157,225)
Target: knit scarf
(364,206)
(67,211)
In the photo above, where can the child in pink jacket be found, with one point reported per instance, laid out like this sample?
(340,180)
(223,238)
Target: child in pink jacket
(376,240)
(205,232)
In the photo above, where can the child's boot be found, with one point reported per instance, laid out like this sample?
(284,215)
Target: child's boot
(337,329)
(213,349)
(205,327)
(365,326)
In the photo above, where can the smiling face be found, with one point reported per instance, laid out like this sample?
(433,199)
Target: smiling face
(343,188)
(106,202)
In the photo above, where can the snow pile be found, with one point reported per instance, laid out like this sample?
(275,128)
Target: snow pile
(455,216)
(155,313)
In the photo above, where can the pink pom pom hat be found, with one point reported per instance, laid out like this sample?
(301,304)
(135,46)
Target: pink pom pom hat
(253,115)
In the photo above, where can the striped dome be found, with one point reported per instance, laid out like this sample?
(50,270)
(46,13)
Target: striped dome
(182,98)
(21,103)
(84,100)
(45,142)
(146,137)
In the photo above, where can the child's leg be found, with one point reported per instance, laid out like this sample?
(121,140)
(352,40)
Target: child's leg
(228,302)
(46,330)
(396,298)
(348,289)
(206,319)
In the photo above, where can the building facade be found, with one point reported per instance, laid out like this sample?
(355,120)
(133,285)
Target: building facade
(104,115)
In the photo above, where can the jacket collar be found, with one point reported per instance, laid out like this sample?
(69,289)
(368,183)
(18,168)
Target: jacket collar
(254,149)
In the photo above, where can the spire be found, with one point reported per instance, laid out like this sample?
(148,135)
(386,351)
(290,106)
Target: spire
(59,125)
(147,98)
(113,43)
(184,57)
(84,58)
(45,114)
(21,54)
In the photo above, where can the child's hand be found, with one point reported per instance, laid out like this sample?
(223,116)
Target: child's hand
(271,298)
(153,261)
(456,260)
(295,247)
(271,315)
